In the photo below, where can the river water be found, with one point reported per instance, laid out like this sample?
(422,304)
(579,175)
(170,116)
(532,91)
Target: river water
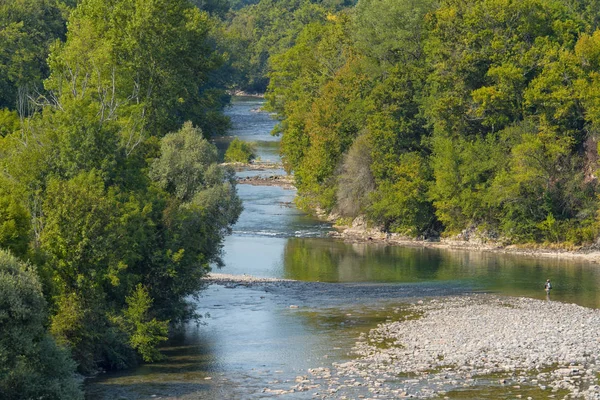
(252,339)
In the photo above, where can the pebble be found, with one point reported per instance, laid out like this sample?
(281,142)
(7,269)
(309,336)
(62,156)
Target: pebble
(460,338)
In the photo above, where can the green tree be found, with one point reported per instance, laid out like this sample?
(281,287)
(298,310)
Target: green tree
(33,366)
(202,207)
(296,79)
(389,32)
(15,224)
(27,30)
(145,333)
(332,125)
(355,179)
(149,59)
(184,159)
(240,151)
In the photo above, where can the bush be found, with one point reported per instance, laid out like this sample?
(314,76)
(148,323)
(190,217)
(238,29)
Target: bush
(239,151)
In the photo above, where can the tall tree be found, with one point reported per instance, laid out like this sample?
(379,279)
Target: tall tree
(27,30)
(152,59)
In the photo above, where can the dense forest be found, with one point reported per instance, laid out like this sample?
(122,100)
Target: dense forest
(447,117)
(425,117)
(113,203)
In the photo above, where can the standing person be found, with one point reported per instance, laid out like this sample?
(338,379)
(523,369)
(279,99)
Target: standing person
(547,286)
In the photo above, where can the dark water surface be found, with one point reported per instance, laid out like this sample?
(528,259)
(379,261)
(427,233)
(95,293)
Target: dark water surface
(253,339)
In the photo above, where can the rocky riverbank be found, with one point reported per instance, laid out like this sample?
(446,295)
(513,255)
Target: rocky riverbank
(254,166)
(519,345)
(359,231)
(283,181)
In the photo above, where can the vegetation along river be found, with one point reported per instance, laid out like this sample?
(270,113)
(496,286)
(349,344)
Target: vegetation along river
(256,340)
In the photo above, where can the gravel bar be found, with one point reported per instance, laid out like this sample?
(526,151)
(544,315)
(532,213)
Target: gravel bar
(445,343)
(469,341)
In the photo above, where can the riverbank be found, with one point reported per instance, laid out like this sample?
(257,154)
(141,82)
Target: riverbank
(283,181)
(441,345)
(359,232)
(525,347)
(254,166)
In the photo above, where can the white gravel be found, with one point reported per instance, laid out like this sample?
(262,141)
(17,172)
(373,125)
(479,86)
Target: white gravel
(469,341)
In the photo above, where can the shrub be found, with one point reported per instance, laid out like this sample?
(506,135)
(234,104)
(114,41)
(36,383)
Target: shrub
(240,151)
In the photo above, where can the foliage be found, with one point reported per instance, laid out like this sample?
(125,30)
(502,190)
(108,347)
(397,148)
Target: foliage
(478,114)
(153,56)
(27,30)
(355,180)
(269,28)
(240,151)
(184,158)
(15,226)
(121,218)
(145,333)
(403,206)
(33,366)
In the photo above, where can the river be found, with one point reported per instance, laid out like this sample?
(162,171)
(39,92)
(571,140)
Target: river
(252,339)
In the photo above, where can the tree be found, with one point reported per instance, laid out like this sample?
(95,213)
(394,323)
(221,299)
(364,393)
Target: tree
(27,30)
(33,366)
(240,151)
(391,32)
(15,224)
(153,56)
(202,206)
(355,179)
(184,159)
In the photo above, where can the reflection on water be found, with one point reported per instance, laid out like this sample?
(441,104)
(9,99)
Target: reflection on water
(334,261)
(253,339)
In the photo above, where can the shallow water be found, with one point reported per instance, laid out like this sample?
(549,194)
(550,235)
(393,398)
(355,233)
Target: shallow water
(253,339)
(251,124)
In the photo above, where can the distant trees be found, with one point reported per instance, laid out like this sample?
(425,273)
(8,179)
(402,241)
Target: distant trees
(268,28)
